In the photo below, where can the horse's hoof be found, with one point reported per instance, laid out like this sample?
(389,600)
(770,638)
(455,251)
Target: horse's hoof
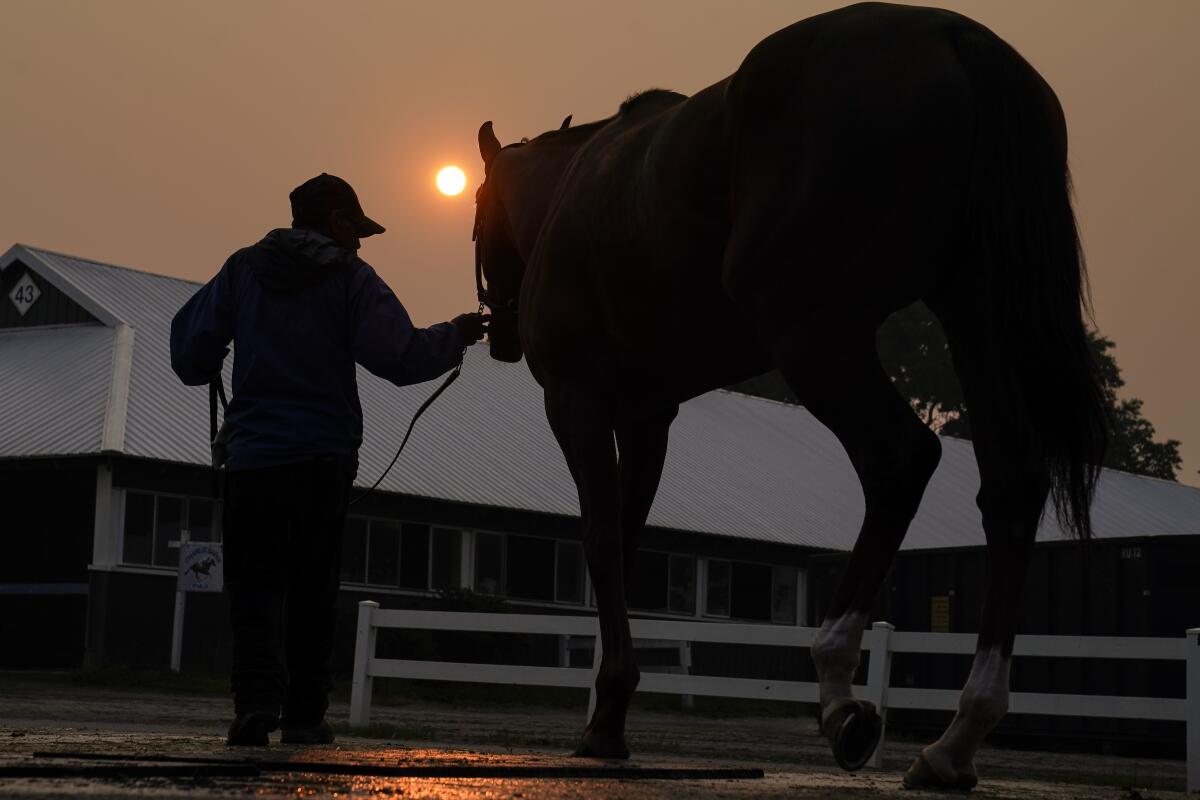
(595,746)
(921,775)
(854,731)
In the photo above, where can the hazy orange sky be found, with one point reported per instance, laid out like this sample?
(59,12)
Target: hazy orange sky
(165,135)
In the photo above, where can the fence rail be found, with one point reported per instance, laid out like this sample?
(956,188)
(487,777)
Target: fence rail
(880,639)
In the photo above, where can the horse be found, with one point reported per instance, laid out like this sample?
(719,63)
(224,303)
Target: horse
(855,162)
(202,569)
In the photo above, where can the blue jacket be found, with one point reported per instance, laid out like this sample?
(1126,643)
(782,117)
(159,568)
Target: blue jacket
(301,310)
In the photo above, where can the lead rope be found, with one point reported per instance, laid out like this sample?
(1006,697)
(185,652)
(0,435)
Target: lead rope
(216,390)
(481,295)
(449,380)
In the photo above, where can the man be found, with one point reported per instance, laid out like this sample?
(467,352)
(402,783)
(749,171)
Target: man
(301,308)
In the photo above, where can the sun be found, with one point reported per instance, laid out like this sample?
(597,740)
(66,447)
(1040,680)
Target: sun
(451,181)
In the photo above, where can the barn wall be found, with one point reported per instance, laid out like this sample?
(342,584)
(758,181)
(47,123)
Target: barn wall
(47,523)
(132,610)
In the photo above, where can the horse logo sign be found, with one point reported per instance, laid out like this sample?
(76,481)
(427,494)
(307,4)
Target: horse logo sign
(200,567)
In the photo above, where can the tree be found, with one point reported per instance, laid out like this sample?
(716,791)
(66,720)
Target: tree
(914,352)
(1132,446)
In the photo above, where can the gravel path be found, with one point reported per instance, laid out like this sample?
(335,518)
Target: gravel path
(40,715)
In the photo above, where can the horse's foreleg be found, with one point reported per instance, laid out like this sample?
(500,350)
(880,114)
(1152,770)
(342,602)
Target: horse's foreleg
(642,450)
(585,432)
(836,374)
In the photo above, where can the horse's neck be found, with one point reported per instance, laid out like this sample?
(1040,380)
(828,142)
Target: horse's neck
(533,182)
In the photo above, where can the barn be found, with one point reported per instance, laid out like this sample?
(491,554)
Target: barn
(103,473)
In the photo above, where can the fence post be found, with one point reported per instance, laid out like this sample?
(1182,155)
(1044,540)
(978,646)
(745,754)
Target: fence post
(1193,710)
(597,654)
(687,701)
(879,675)
(364,651)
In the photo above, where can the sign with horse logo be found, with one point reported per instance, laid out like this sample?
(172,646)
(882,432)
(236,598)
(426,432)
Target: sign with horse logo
(200,567)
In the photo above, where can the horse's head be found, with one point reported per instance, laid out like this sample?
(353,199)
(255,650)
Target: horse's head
(498,264)
(503,203)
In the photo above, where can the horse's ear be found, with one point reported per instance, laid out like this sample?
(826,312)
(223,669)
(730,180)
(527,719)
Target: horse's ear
(489,145)
(566,123)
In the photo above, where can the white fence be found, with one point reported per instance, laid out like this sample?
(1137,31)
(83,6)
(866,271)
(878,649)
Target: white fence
(881,639)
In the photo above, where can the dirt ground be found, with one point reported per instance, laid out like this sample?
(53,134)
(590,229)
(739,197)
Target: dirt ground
(172,745)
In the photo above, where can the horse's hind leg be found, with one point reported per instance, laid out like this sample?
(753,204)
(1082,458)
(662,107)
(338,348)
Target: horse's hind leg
(1012,493)
(584,430)
(832,366)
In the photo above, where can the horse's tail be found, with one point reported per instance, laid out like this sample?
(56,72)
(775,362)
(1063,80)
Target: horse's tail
(1039,380)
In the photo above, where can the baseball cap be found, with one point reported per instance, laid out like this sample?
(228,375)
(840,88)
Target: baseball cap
(316,197)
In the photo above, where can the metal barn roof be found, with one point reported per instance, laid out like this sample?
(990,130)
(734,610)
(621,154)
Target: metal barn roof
(737,466)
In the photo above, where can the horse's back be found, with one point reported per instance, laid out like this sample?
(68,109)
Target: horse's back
(869,58)
(828,172)
(851,137)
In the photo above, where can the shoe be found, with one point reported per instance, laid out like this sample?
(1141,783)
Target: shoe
(320,733)
(251,729)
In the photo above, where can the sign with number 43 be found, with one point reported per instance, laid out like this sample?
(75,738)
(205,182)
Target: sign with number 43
(24,294)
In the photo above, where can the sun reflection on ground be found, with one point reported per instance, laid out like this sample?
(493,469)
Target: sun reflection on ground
(65,761)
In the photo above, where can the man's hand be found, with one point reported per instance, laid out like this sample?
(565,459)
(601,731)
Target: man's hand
(471,327)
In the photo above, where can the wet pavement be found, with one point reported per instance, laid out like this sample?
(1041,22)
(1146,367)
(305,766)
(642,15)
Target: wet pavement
(164,765)
(63,740)
(48,763)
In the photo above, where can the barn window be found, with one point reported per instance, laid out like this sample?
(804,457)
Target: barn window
(682,585)
(168,523)
(405,555)
(744,590)
(717,603)
(664,582)
(750,591)
(354,550)
(651,581)
(568,577)
(139,528)
(529,568)
(447,558)
(383,552)
(783,595)
(154,525)
(202,521)
(414,556)
(489,563)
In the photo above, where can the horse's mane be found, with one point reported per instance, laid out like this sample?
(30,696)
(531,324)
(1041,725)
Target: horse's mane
(635,102)
(639,100)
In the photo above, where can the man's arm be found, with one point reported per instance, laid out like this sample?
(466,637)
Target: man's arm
(202,330)
(385,341)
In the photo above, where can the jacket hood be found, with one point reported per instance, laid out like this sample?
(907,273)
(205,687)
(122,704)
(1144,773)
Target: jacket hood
(291,259)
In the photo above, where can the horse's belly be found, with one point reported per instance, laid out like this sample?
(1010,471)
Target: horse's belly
(658,337)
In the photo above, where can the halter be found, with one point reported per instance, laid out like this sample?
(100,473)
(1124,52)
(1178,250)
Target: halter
(482,294)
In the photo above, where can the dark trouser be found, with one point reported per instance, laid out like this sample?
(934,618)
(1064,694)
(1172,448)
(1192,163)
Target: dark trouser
(283,533)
